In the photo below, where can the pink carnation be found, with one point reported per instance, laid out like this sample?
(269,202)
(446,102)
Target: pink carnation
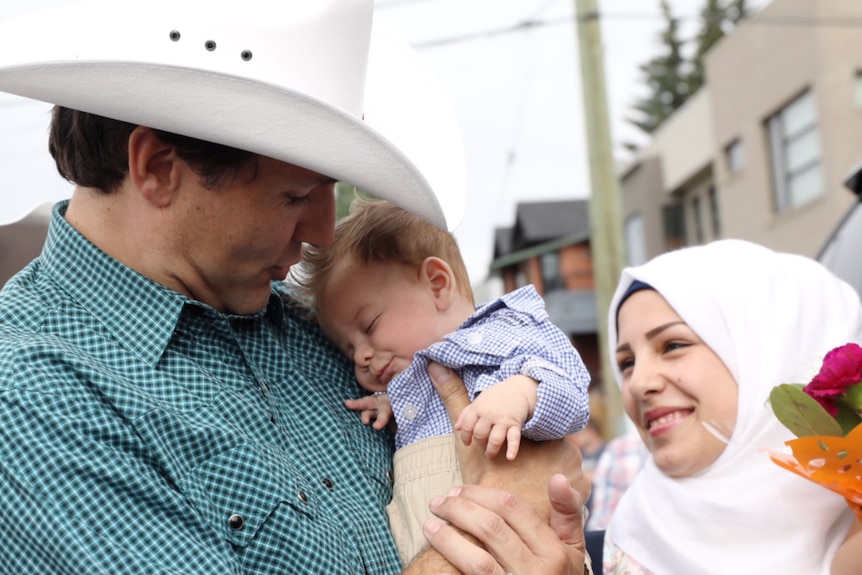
(842,368)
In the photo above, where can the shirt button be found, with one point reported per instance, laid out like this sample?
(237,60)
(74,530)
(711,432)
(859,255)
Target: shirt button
(474,338)
(409,412)
(264,387)
(389,476)
(327,482)
(302,496)
(236,522)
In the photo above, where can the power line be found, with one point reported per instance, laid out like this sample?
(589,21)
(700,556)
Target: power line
(531,24)
(392,3)
(522,26)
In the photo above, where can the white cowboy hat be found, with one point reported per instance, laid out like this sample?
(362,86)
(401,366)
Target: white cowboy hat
(285,79)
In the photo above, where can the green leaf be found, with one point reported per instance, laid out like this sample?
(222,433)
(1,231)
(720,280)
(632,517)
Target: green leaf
(800,413)
(847,418)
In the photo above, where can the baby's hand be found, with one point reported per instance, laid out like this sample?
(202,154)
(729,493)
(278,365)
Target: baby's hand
(376,408)
(497,416)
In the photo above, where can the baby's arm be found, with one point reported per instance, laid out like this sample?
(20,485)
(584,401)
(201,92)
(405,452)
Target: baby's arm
(376,408)
(498,414)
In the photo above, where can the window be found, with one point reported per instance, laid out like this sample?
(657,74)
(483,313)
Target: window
(734,157)
(673,216)
(795,146)
(635,240)
(698,219)
(857,90)
(551,279)
(520,277)
(712,196)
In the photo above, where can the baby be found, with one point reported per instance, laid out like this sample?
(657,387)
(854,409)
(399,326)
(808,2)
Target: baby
(393,294)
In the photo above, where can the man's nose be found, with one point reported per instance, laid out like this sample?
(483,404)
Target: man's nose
(317,226)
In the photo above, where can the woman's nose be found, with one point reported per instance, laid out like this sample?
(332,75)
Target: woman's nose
(645,378)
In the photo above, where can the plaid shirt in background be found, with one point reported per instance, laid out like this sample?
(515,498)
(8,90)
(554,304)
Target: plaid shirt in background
(509,336)
(620,462)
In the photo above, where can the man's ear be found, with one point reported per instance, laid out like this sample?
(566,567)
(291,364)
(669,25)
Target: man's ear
(440,279)
(153,167)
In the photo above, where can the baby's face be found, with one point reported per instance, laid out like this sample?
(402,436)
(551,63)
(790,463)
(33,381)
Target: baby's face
(380,315)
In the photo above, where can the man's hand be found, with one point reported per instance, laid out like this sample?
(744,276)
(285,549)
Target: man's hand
(516,540)
(525,516)
(529,473)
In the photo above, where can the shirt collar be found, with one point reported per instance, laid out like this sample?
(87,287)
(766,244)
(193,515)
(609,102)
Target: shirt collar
(525,299)
(140,313)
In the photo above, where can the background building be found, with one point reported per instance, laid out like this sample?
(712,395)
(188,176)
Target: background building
(760,152)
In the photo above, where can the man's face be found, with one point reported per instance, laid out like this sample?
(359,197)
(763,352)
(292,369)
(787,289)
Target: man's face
(231,242)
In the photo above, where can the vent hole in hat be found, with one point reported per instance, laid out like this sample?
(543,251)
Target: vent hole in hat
(175,35)
(210,45)
(246,55)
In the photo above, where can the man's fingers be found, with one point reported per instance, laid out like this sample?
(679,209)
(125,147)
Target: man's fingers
(462,554)
(510,530)
(566,510)
(450,388)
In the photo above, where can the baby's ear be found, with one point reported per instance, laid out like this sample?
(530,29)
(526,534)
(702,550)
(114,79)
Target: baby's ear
(438,276)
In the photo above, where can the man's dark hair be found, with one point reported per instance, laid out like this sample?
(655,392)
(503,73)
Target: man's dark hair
(92,151)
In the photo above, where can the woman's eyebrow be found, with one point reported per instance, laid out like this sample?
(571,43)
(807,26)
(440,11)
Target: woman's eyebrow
(657,330)
(651,334)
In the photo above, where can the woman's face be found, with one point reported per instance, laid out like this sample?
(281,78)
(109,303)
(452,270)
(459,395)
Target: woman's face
(672,383)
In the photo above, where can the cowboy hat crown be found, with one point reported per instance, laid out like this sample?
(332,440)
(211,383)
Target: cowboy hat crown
(283,79)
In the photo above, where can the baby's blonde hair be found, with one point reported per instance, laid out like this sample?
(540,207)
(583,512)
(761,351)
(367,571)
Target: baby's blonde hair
(377,231)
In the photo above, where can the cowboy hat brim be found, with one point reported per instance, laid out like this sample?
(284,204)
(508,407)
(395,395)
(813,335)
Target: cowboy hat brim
(291,107)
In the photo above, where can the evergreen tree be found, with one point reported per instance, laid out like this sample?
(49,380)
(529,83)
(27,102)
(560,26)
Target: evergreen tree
(671,77)
(716,20)
(664,76)
(712,17)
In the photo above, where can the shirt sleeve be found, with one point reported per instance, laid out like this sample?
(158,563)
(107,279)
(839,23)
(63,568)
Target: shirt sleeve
(514,343)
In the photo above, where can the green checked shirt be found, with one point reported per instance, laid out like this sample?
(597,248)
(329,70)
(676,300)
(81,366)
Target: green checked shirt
(144,432)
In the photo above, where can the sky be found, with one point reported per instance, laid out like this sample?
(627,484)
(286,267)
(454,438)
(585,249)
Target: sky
(516,92)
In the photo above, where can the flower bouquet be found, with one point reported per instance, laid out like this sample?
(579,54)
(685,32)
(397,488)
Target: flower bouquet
(825,417)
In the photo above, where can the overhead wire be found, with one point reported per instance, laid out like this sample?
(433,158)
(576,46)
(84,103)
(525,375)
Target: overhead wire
(531,24)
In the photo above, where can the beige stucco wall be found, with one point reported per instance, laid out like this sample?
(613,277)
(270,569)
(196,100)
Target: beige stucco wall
(689,137)
(753,74)
(642,193)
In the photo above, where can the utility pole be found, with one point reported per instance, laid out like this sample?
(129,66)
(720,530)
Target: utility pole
(606,237)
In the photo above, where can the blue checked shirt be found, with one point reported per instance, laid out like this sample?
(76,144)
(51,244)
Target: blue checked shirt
(143,432)
(506,337)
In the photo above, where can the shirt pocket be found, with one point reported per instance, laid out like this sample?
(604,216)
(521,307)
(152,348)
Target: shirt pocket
(373,450)
(236,491)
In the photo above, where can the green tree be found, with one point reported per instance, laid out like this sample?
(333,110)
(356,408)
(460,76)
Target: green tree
(671,77)
(344,194)
(665,78)
(717,19)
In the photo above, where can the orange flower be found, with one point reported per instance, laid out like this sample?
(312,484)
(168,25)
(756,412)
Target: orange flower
(833,462)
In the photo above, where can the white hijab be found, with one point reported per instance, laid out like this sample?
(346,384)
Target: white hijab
(771,318)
